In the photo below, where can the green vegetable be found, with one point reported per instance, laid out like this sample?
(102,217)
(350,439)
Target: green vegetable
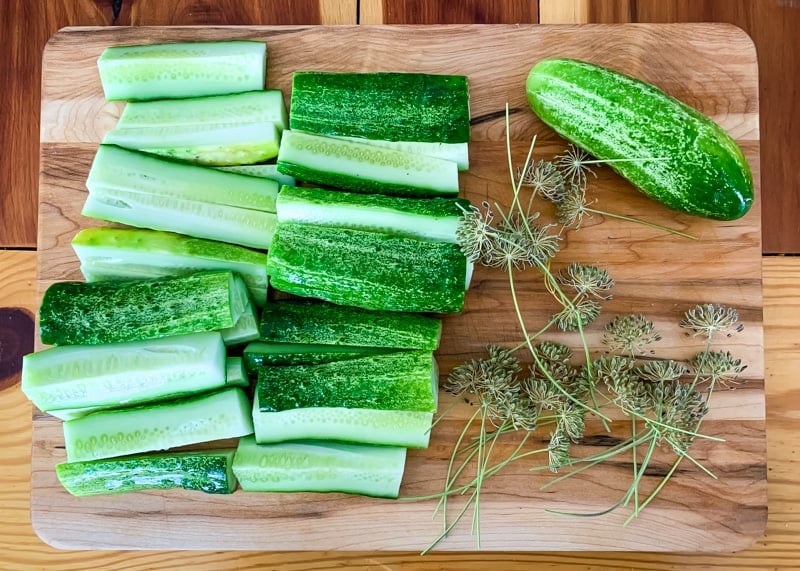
(317,322)
(430,218)
(367,269)
(235,373)
(340,163)
(402,380)
(668,150)
(82,376)
(189,69)
(141,190)
(455,152)
(105,434)
(261,171)
(108,254)
(390,106)
(261,353)
(319,467)
(207,471)
(78,313)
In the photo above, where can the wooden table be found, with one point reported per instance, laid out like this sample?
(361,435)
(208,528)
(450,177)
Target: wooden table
(25,25)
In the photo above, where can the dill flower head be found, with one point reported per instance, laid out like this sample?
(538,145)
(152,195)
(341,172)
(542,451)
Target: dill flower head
(572,207)
(680,409)
(545,178)
(558,451)
(537,243)
(541,392)
(587,280)
(573,165)
(474,233)
(718,367)
(578,315)
(630,334)
(552,352)
(710,319)
(662,370)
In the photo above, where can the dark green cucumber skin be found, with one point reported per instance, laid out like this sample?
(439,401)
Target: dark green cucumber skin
(78,313)
(201,471)
(384,106)
(370,270)
(614,116)
(354,183)
(394,381)
(255,359)
(318,322)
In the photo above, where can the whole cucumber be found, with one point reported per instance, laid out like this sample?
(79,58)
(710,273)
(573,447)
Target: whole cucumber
(614,116)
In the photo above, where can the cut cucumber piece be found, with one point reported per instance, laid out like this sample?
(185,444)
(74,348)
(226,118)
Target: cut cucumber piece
(245,329)
(235,373)
(104,434)
(390,106)
(250,107)
(401,380)
(210,144)
(261,353)
(456,152)
(319,467)
(262,171)
(108,254)
(137,189)
(78,313)
(367,269)
(209,471)
(429,218)
(364,425)
(317,322)
(188,69)
(82,376)
(361,167)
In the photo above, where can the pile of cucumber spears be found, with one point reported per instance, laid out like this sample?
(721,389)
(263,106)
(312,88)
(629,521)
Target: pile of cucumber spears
(159,348)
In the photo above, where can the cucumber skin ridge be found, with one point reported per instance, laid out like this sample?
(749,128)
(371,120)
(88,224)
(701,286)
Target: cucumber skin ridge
(612,115)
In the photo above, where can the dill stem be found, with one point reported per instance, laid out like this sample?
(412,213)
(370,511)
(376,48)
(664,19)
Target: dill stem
(652,421)
(443,415)
(448,483)
(633,452)
(638,477)
(656,491)
(642,222)
(479,467)
(530,338)
(449,528)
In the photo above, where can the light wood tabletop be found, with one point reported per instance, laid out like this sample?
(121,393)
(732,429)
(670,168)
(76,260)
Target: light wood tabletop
(25,26)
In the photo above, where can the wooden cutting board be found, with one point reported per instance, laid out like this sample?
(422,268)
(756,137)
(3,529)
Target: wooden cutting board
(711,67)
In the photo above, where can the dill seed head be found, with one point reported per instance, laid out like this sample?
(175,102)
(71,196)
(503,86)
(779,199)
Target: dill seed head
(558,451)
(680,408)
(609,369)
(507,250)
(718,367)
(474,233)
(572,208)
(578,315)
(571,420)
(541,393)
(520,414)
(661,371)
(552,352)
(545,178)
(710,319)
(463,378)
(630,334)
(587,280)
(572,164)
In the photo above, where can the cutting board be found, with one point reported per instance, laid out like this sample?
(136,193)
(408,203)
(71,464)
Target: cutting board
(711,67)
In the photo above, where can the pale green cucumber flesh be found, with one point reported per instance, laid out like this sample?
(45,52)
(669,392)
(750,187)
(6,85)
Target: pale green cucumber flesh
(183,69)
(105,434)
(318,322)
(262,171)
(209,471)
(244,330)
(260,353)
(78,313)
(391,106)
(319,467)
(430,218)
(401,380)
(249,107)
(108,254)
(456,152)
(363,168)
(406,428)
(613,116)
(81,376)
(235,373)
(369,269)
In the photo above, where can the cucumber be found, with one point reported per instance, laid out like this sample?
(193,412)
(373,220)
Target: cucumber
(245,329)
(613,116)
(360,167)
(78,313)
(82,376)
(401,380)
(209,144)
(319,467)
(260,353)
(262,171)
(209,471)
(367,269)
(250,107)
(141,190)
(144,428)
(430,218)
(183,69)
(235,373)
(317,322)
(456,152)
(407,428)
(115,254)
(390,106)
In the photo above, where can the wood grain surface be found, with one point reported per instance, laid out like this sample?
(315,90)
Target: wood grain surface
(661,275)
